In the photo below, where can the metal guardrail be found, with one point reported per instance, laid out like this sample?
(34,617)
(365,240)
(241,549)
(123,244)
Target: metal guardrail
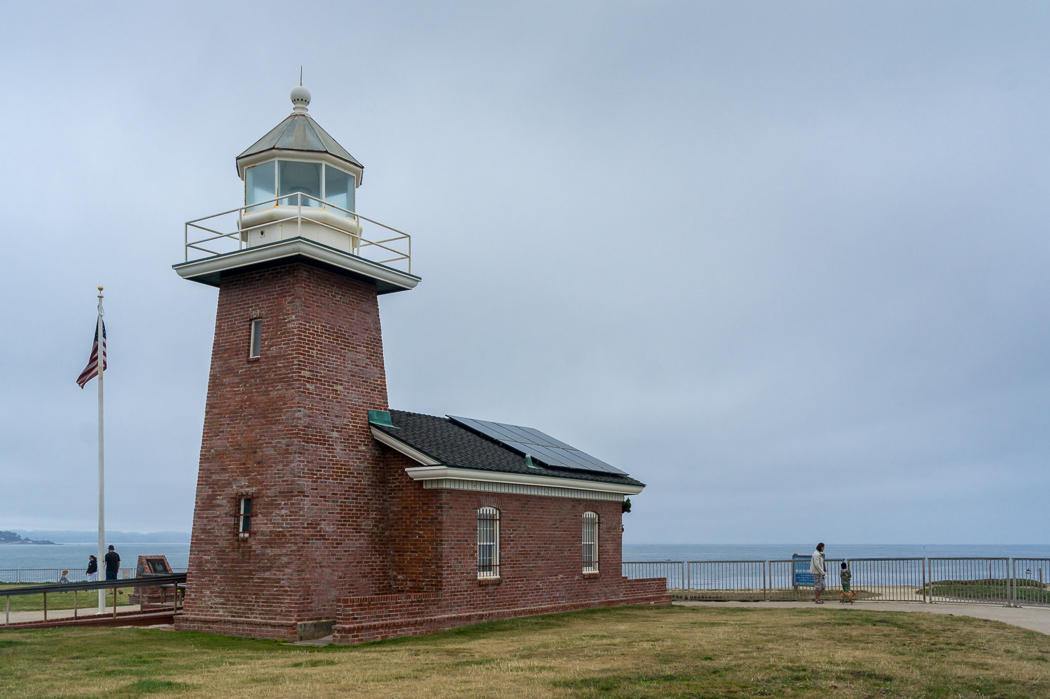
(971,580)
(674,571)
(1006,581)
(1031,578)
(236,239)
(736,580)
(53,575)
(174,581)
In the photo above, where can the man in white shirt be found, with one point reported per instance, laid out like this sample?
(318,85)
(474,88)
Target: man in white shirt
(816,566)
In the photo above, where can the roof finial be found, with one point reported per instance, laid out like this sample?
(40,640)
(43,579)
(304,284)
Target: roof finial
(300,96)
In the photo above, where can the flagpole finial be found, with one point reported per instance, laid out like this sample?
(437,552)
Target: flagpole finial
(100,288)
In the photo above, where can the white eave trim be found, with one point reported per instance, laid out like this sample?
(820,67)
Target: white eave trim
(399,446)
(292,248)
(430,473)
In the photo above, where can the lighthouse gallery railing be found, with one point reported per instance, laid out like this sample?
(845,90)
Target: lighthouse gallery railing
(395,247)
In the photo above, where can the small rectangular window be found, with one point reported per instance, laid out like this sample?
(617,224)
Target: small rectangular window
(244,519)
(256,343)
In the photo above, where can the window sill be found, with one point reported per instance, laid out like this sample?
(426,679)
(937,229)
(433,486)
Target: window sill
(254,359)
(489,581)
(592,574)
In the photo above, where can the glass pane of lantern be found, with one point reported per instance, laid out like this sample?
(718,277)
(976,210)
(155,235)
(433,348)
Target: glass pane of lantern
(295,176)
(338,188)
(259,182)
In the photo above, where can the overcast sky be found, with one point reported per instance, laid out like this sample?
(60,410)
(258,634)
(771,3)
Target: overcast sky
(786,263)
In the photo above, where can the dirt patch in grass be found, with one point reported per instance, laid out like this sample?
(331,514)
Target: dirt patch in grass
(628,652)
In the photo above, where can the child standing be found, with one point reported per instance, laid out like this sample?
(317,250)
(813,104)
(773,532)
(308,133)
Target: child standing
(845,576)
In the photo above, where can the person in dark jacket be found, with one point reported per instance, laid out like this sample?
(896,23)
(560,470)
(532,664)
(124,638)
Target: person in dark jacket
(92,569)
(112,564)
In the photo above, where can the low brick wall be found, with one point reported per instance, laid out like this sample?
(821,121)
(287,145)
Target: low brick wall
(281,630)
(648,587)
(374,618)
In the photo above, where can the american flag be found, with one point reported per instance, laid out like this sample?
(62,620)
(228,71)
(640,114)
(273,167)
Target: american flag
(91,370)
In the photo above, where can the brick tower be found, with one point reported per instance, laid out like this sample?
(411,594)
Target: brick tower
(288,518)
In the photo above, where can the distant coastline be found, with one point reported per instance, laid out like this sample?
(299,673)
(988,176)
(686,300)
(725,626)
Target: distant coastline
(55,536)
(15,539)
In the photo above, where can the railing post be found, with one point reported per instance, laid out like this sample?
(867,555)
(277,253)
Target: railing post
(765,589)
(299,219)
(45,606)
(7,613)
(75,605)
(924,600)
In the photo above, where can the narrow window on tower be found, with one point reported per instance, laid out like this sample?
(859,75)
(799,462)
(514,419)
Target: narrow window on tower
(256,344)
(488,542)
(244,518)
(590,542)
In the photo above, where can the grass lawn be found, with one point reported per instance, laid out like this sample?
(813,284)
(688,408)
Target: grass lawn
(61,600)
(1026,590)
(625,652)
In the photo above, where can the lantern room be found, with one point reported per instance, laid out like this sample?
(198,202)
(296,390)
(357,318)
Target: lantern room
(299,202)
(299,182)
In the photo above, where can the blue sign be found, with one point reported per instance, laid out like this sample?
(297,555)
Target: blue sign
(800,568)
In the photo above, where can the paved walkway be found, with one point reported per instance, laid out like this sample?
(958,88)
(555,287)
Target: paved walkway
(1034,618)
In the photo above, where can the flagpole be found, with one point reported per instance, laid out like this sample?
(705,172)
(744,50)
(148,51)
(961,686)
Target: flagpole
(101,461)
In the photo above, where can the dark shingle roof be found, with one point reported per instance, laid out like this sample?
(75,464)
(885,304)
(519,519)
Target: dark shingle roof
(456,446)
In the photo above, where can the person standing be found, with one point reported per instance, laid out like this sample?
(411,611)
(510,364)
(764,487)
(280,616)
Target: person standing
(816,566)
(92,569)
(845,575)
(112,564)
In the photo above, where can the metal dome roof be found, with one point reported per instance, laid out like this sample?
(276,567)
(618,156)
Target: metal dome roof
(299,132)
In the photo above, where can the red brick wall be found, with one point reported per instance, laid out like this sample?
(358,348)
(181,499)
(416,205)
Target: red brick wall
(415,527)
(338,529)
(541,550)
(541,561)
(289,429)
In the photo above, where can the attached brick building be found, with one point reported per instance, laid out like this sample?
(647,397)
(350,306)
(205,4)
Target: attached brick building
(318,509)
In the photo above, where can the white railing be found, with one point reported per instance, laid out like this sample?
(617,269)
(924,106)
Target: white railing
(392,245)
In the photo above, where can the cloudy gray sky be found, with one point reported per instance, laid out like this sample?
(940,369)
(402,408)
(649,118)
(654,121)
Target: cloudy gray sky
(784,262)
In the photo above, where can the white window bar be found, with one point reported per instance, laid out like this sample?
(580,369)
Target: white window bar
(488,542)
(590,542)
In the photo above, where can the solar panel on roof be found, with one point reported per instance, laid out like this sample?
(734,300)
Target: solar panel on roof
(541,447)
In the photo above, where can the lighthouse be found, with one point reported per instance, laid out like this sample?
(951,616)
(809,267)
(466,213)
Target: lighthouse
(319,509)
(287,517)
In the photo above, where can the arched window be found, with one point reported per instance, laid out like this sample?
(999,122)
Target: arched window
(590,542)
(488,542)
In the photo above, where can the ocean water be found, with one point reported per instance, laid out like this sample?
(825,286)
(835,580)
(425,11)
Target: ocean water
(781,552)
(74,556)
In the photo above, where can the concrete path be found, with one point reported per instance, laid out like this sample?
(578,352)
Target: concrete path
(1034,618)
